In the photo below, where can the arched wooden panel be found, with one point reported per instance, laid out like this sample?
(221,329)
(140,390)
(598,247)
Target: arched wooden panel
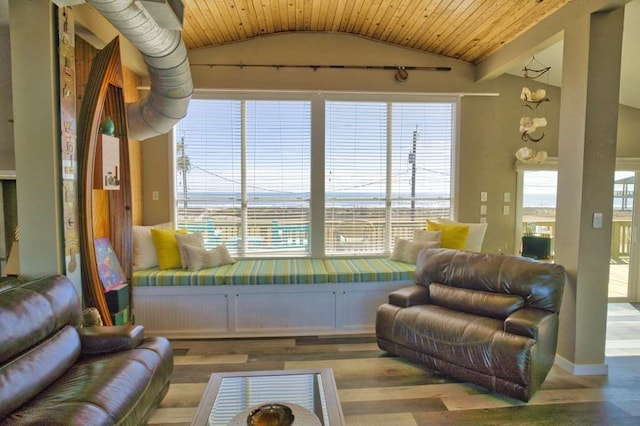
(103,97)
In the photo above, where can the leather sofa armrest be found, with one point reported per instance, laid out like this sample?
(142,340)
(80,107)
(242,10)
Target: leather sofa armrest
(528,322)
(409,296)
(101,340)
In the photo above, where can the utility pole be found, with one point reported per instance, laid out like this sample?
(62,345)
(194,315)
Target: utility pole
(412,161)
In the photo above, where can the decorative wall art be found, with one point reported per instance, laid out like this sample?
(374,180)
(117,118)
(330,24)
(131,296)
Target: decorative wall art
(109,269)
(532,122)
(68,138)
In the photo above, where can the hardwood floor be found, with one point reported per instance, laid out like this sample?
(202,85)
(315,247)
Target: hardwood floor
(378,389)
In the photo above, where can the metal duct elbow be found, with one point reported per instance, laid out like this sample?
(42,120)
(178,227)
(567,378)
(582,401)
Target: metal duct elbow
(166,58)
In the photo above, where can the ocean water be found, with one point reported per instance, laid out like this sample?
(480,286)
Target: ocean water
(549,201)
(334,200)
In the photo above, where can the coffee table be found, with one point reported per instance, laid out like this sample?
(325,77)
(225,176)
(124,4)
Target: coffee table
(229,394)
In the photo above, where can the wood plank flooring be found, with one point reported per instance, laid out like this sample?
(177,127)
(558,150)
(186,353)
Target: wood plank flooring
(376,388)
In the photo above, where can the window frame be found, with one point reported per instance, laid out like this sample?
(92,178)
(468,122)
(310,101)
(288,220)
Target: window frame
(317,168)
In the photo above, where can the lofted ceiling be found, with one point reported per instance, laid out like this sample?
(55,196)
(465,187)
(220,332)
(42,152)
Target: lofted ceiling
(468,30)
(492,34)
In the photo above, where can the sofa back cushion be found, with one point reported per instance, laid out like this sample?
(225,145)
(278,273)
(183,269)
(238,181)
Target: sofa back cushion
(38,338)
(483,303)
(30,312)
(539,284)
(32,371)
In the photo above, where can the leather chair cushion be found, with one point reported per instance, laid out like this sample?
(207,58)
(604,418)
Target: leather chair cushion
(409,296)
(483,303)
(470,341)
(100,340)
(539,284)
(35,311)
(115,388)
(34,370)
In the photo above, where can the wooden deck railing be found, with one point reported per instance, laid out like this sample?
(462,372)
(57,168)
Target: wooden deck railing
(279,235)
(620,235)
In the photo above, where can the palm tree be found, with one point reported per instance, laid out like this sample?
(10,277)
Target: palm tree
(183,165)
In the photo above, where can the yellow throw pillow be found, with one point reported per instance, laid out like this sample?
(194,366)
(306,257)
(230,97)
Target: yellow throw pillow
(453,236)
(164,240)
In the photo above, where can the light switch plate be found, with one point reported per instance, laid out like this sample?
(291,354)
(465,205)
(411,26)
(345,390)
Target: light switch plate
(506,210)
(507,197)
(483,209)
(483,196)
(597,220)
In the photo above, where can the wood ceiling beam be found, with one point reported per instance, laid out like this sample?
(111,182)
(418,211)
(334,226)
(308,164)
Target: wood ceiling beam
(543,35)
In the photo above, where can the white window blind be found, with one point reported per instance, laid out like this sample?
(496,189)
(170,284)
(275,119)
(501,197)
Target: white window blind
(248,175)
(422,141)
(388,169)
(355,177)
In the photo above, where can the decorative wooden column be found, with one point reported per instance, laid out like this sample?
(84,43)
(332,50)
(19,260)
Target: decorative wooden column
(103,97)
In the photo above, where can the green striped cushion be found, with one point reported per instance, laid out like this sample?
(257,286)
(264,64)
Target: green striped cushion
(281,271)
(178,277)
(277,271)
(368,270)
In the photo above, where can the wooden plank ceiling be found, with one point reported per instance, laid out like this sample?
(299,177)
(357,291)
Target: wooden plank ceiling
(468,30)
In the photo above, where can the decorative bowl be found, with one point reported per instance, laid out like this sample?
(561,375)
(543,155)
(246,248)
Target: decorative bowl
(271,415)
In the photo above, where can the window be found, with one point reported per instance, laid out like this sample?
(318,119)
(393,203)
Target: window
(244,173)
(388,168)
(539,202)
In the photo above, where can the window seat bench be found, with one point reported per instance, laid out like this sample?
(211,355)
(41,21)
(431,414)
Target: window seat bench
(267,297)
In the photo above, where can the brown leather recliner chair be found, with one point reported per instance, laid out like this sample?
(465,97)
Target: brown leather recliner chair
(487,319)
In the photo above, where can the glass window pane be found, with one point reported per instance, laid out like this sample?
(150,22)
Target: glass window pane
(271,216)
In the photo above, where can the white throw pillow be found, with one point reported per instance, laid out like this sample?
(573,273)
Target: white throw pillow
(144,252)
(476,233)
(407,251)
(199,258)
(424,236)
(194,240)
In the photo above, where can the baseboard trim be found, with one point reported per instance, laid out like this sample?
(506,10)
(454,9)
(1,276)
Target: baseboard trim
(582,369)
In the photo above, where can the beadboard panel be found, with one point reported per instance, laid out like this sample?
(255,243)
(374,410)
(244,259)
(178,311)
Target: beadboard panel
(182,313)
(260,310)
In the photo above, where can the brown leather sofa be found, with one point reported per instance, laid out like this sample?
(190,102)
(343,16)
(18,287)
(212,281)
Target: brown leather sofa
(487,319)
(55,372)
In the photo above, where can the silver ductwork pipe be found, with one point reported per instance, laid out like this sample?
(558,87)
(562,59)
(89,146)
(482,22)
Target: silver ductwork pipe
(166,58)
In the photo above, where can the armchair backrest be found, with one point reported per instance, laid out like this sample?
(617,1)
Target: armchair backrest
(539,284)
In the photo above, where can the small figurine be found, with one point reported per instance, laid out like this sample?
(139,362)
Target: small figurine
(108,127)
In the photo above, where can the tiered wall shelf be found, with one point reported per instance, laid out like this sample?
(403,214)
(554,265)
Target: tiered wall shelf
(103,213)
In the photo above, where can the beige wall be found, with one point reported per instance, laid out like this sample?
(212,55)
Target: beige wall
(489,138)
(7,161)
(489,125)
(36,130)
(156,173)
(628,132)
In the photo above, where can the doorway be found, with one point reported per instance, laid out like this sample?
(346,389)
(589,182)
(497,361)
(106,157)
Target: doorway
(536,217)
(623,269)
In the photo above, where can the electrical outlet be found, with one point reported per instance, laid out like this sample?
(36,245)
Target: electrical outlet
(155,195)
(483,209)
(483,196)
(507,197)
(506,210)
